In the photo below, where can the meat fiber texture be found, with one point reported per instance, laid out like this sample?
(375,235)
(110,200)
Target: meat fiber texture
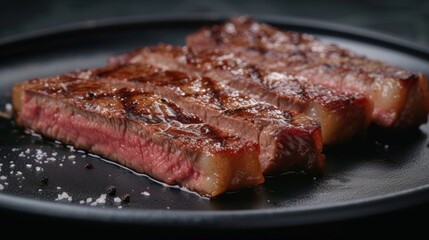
(400,96)
(288,141)
(139,130)
(342,116)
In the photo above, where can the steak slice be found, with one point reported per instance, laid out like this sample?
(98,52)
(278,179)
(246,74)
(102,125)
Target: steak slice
(288,140)
(400,96)
(341,116)
(139,130)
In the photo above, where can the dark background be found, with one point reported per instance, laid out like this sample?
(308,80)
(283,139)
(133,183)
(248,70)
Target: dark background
(405,19)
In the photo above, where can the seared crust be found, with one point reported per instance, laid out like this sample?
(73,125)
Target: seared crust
(208,160)
(232,111)
(333,109)
(328,64)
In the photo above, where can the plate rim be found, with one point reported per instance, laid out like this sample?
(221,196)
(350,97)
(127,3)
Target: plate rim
(236,219)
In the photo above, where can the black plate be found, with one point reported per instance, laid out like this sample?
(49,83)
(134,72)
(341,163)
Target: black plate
(386,171)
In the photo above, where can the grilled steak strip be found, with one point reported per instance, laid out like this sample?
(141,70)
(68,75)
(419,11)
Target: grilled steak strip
(341,115)
(400,96)
(138,129)
(288,140)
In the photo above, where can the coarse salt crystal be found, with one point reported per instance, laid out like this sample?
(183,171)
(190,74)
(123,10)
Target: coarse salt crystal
(12,166)
(19,173)
(28,165)
(117,200)
(1,187)
(101,199)
(3,177)
(146,193)
(88,200)
(81,202)
(62,196)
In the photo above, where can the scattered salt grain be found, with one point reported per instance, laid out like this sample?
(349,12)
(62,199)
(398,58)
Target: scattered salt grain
(74,162)
(88,200)
(117,200)
(3,177)
(21,154)
(27,151)
(11,162)
(72,157)
(94,204)
(54,154)
(1,187)
(101,199)
(119,207)
(15,149)
(28,165)
(60,164)
(147,194)
(58,188)
(81,202)
(39,169)
(168,207)
(63,196)
(40,190)
(12,166)
(6,183)
(19,173)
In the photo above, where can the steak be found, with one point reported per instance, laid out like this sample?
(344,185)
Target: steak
(288,140)
(400,96)
(138,129)
(342,116)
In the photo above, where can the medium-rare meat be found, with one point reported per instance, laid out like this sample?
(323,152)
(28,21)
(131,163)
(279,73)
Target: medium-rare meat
(139,130)
(400,97)
(288,140)
(341,115)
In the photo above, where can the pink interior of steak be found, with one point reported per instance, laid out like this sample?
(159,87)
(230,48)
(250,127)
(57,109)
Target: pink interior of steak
(341,115)
(323,63)
(232,111)
(142,131)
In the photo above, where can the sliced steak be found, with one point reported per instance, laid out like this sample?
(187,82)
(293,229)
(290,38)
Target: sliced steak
(400,96)
(342,116)
(288,140)
(139,130)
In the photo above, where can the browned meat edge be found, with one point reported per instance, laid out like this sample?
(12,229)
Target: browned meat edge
(342,116)
(288,140)
(400,96)
(139,130)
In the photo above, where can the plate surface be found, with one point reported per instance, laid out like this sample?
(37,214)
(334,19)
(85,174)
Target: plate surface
(384,172)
